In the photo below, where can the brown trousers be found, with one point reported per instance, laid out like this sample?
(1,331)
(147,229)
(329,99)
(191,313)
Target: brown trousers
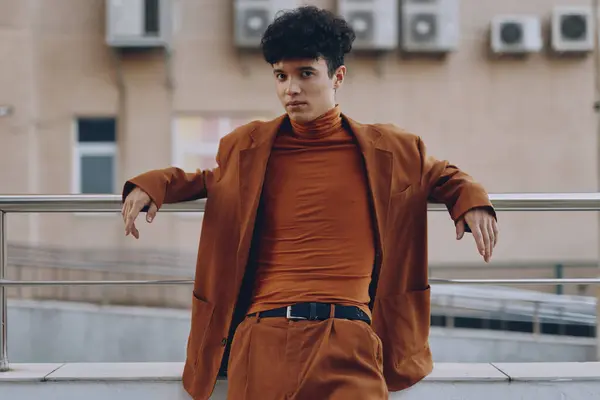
(278,359)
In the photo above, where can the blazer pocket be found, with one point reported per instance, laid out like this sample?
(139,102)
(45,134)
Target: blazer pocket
(407,327)
(401,194)
(202,312)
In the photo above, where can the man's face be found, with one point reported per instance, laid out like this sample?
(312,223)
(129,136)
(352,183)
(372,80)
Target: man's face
(305,89)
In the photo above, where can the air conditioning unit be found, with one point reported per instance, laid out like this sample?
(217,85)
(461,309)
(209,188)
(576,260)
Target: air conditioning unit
(430,26)
(572,29)
(516,34)
(375,23)
(138,23)
(252,17)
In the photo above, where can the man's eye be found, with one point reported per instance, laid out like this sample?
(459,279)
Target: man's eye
(306,74)
(280,77)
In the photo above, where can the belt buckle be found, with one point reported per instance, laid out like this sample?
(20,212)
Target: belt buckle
(288,314)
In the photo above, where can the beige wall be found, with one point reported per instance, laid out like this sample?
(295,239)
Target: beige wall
(516,125)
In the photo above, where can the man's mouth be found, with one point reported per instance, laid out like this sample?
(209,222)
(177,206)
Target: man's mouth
(295,103)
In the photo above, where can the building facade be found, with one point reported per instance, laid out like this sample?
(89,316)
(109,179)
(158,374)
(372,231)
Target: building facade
(84,117)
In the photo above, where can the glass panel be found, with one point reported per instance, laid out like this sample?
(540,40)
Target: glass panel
(97,130)
(192,162)
(188,129)
(151,20)
(197,138)
(97,174)
(213,129)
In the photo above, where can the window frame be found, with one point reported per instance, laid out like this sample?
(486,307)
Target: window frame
(81,149)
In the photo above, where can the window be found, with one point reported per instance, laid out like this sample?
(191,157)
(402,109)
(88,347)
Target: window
(94,166)
(196,139)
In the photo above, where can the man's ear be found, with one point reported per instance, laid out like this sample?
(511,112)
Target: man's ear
(339,75)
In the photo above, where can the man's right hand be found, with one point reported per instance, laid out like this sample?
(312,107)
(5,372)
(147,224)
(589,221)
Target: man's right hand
(135,201)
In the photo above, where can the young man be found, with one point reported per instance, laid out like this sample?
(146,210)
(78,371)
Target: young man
(312,262)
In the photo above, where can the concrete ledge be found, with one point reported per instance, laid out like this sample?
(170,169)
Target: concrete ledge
(149,381)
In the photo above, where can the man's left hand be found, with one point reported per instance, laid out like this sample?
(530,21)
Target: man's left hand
(484,228)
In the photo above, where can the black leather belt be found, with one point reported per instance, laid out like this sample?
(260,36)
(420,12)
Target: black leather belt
(315,312)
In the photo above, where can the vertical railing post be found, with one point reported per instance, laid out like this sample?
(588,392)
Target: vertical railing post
(558,274)
(537,329)
(3,307)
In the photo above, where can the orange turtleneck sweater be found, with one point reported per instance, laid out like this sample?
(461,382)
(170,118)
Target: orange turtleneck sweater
(316,235)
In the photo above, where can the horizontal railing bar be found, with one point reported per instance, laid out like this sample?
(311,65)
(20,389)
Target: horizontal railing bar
(8,282)
(112,203)
(563,281)
(544,265)
(566,281)
(80,204)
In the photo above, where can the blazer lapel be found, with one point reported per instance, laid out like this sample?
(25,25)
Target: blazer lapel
(252,166)
(379,166)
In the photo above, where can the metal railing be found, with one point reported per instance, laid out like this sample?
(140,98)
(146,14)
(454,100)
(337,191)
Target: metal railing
(112,203)
(528,312)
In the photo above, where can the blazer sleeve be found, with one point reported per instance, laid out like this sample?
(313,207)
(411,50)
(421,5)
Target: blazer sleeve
(447,184)
(173,185)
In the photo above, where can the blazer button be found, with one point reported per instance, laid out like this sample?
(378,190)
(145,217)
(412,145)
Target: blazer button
(224,341)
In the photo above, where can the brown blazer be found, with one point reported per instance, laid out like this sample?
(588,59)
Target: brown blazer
(402,179)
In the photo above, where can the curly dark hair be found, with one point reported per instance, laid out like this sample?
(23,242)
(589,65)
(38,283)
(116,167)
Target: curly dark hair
(308,32)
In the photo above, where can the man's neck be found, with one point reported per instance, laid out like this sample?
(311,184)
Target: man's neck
(323,125)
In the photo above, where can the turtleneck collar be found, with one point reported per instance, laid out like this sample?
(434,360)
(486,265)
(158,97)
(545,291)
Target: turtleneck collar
(322,126)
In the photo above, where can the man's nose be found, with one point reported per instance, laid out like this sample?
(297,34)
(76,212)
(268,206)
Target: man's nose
(292,87)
